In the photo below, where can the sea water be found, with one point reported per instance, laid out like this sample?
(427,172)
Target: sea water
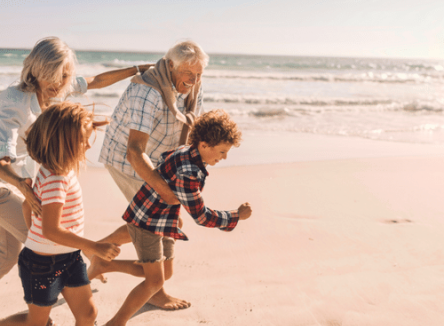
(398,100)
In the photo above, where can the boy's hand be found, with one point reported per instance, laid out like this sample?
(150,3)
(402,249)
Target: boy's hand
(244,211)
(107,251)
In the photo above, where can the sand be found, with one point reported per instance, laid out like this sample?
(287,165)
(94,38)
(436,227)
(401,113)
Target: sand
(350,233)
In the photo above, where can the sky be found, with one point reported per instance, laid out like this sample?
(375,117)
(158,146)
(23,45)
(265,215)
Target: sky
(371,28)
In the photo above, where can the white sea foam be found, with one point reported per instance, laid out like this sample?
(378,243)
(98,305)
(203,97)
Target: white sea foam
(389,99)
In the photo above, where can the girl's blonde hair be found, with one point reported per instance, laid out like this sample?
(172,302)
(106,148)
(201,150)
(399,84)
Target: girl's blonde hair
(49,60)
(57,139)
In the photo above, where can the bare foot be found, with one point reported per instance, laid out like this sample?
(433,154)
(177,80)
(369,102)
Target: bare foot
(96,268)
(167,302)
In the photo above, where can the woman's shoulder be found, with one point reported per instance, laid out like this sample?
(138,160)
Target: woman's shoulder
(14,102)
(14,96)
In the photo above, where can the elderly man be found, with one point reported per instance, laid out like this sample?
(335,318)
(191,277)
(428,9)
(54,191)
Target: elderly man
(153,116)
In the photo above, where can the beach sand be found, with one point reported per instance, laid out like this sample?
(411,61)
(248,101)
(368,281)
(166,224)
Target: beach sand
(344,232)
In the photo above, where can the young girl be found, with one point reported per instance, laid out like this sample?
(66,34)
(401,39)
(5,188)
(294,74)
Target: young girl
(51,263)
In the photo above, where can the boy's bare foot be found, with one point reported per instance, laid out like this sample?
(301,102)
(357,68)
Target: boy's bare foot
(95,269)
(164,301)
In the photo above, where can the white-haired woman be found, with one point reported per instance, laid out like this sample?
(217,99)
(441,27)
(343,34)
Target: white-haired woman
(48,73)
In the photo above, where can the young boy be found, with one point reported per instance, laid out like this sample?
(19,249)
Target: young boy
(153,224)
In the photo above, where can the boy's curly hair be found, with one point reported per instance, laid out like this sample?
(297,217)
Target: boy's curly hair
(213,128)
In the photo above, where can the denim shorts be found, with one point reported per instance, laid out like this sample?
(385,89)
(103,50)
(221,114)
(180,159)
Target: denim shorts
(44,277)
(151,247)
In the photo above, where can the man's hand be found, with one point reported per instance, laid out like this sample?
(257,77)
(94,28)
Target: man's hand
(25,186)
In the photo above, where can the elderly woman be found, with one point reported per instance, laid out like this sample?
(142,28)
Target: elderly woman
(48,73)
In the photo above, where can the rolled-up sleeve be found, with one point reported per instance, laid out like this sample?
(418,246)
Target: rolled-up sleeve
(80,85)
(10,121)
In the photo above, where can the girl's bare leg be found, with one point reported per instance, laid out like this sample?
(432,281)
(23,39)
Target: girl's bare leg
(37,316)
(80,301)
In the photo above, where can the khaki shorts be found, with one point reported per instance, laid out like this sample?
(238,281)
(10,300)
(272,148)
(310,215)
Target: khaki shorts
(151,247)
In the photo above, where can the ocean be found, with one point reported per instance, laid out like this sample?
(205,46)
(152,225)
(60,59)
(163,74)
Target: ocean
(398,100)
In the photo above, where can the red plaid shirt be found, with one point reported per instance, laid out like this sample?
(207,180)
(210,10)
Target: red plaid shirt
(185,173)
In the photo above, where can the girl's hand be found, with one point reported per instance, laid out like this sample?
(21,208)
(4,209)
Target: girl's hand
(107,251)
(25,186)
(244,211)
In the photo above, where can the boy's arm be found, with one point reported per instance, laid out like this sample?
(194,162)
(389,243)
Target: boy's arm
(186,189)
(26,208)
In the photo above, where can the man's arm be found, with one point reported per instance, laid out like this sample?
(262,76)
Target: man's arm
(26,209)
(142,164)
(108,78)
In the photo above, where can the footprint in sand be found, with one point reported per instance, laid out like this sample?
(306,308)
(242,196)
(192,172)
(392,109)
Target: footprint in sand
(397,221)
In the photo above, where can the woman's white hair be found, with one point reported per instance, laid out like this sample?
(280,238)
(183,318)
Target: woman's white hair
(49,59)
(189,52)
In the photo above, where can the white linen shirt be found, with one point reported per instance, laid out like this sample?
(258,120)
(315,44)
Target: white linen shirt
(142,108)
(18,110)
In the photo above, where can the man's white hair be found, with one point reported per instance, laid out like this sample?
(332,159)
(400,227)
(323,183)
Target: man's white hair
(187,52)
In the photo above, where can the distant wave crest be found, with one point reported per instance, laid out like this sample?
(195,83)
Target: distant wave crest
(401,78)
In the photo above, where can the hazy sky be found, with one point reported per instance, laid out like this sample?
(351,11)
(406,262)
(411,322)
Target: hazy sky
(374,28)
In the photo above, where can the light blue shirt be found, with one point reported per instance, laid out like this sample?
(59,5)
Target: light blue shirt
(18,111)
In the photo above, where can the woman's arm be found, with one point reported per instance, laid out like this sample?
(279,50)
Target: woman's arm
(8,174)
(52,230)
(110,77)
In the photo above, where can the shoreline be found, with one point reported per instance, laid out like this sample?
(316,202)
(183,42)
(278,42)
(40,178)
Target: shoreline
(271,147)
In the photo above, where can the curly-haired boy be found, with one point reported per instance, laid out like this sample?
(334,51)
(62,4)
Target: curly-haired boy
(154,225)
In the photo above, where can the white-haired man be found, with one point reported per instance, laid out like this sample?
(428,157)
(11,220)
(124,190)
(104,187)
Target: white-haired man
(153,116)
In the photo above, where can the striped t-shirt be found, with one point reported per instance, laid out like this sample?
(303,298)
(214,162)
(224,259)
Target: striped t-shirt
(51,188)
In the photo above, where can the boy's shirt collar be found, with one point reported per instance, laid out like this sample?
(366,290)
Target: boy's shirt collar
(195,155)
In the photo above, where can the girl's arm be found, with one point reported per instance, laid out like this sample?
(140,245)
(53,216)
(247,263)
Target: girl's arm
(52,230)
(110,77)
(8,174)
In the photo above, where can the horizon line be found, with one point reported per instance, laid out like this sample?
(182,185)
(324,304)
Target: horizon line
(240,54)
